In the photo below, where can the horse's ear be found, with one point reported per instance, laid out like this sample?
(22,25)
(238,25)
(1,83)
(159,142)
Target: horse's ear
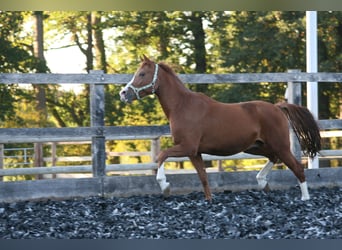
(144,58)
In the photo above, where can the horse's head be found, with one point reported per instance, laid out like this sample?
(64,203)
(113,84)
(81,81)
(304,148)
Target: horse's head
(143,82)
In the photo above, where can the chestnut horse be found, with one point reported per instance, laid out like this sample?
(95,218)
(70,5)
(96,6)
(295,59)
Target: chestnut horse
(200,124)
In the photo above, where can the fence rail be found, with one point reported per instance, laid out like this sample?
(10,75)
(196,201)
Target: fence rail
(119,133)
(20,135)
(98,134)
(100,78)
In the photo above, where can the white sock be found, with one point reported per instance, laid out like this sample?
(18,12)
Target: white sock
(161,178)
(261,176)
(305,192)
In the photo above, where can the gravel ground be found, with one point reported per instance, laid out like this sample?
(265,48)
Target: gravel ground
(240,215)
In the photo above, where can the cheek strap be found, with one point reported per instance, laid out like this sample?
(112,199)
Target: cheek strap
(151,84)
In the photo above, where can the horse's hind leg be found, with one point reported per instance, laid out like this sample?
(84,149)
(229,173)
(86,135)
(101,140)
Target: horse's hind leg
(200,168)
(261,176)
(298,171)
(259,148)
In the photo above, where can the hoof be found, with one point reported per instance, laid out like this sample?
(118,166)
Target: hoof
(267,188)
(209,200)
(166,189)
(263,185)
(305,198)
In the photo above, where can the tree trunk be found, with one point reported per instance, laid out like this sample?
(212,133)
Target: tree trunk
(89,50)
(38,51)
(100,52)
(164,35)
(198,43)
(90,58)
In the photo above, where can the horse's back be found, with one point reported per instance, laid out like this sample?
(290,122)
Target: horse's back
(263,119)
(256,110)
(267,114)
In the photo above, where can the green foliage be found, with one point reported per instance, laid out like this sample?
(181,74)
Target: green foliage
(330,60)
(7,98)
(15,56)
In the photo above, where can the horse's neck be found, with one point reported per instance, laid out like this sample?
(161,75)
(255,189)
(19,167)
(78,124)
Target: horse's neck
(172,95)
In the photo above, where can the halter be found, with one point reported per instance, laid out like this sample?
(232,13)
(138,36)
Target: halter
(152,84)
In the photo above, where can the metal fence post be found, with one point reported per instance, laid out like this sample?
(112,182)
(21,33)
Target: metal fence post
(97,110)
(294,96)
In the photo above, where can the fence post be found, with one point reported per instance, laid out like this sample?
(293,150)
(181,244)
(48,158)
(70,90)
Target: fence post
(38,158)
(155,149)
(54,157)
(294,96)
(2,157)
(97,104)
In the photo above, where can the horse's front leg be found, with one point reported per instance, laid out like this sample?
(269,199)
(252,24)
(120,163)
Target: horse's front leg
(198,163)
(175,151)
(161,179)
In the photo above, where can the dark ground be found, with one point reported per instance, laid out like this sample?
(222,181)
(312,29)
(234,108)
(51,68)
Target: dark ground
(241,215)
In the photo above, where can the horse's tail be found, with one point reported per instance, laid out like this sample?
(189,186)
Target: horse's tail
(305,127)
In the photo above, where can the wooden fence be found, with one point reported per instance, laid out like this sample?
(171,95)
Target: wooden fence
(98,134)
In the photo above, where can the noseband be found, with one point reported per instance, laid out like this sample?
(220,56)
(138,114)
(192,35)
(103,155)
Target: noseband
(152,84)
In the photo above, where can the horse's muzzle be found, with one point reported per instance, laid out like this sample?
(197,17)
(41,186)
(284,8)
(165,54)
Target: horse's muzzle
(126,95)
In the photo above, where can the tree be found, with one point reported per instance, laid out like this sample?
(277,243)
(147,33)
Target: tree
(275,42)
(261,42)
(99,45)
(38,52)
(73,29)
(330,60)
(14,57)
(197,45)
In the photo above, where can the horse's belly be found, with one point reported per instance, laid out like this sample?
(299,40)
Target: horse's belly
(228,144)
(220,152)
(223,149)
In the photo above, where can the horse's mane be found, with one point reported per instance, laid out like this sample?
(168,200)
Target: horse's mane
(170,71)
(167,68)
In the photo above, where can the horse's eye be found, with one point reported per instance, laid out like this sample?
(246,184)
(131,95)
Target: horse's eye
(142,74)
